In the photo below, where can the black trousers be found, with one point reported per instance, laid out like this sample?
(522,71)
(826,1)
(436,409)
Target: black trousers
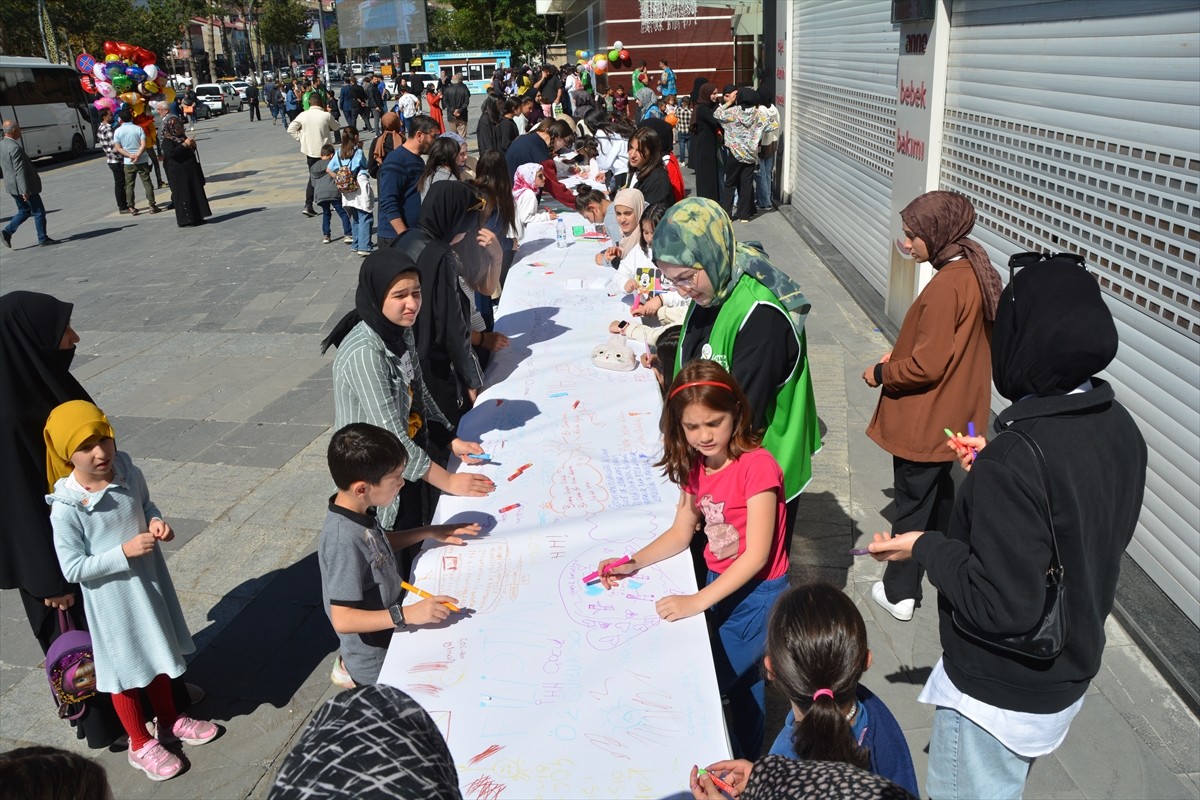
(739,177)
(308,187)
(255,112)
(924,499)
(118,171)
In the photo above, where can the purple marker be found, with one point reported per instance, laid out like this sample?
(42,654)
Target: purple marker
(861,551)
(971,432)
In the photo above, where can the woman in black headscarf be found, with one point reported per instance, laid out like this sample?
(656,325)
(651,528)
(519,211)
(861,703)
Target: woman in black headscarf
(184,175)
(369,743)
(1061,480)
(377,378)
(706,145)
(37,345)
(450,217)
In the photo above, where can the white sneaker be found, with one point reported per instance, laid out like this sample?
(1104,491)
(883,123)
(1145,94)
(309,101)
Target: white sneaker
(902,611)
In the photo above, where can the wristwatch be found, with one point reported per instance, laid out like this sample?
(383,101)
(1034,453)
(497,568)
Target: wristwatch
(397,612)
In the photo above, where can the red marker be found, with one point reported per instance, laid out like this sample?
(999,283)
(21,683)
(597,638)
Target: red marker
(575,404)
(522,469)
(720,784)
(510,508)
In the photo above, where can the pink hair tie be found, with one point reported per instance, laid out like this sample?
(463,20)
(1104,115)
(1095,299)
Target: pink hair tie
(817,695)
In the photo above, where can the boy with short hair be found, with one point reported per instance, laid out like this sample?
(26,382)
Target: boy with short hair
(327,196)
(360,582)
(683,127)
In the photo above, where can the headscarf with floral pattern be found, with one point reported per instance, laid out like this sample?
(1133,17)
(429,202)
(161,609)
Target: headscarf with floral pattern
(697,233)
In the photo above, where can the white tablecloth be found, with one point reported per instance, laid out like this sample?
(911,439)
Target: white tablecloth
(545,686)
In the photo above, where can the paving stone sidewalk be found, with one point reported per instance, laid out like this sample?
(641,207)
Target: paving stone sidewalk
(202,345)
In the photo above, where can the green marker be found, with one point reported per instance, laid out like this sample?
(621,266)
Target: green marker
(949,432)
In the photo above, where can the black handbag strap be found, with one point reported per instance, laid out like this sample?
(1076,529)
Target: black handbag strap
(1056,568)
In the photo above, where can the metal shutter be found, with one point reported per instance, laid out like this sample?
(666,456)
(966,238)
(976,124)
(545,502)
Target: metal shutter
(1081,134)
(843,124)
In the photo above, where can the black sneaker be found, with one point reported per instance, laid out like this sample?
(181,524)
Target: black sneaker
(48,241)
(308,212)
(7,237)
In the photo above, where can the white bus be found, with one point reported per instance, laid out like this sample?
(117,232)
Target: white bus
(48,103)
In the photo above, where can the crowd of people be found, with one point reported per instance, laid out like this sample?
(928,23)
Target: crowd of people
(739,424)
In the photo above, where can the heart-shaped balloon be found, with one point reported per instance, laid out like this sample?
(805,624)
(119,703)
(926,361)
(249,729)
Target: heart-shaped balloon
(151,71)
(106,89)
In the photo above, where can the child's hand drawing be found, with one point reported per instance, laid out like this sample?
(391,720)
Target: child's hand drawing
(675,607)
(648,308)
(430,610)
(465,450)
(139,545)
(736,773)
(470,484)
(630,286)
(161,530)
(609,579)
(452,534)
(494,341)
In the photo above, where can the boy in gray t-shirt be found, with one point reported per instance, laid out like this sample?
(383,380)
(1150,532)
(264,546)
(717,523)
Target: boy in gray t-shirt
(360,582)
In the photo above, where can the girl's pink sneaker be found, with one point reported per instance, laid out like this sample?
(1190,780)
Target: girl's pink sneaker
(189,731)
(156,761)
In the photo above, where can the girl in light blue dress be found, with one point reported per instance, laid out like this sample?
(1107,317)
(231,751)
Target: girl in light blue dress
(106,535)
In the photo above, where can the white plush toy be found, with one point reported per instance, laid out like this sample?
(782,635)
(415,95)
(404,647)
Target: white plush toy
(615,354)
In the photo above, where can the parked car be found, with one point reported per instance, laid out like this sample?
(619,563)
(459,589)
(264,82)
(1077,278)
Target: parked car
(221,98)
(306,70)
(236,100)
(423,78)
(240,87)
(356,69)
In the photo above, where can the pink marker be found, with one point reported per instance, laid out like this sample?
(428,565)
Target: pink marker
(607,568)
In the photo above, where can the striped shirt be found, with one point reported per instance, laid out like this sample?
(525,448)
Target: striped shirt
(104,138)
(372,384)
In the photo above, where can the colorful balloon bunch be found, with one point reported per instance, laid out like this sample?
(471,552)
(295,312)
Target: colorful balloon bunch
(600,62)
(127,78)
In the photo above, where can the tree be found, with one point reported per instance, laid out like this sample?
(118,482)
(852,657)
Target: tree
(333,45)
(283,22)
(486,24)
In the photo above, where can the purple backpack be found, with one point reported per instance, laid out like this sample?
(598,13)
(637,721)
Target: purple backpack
(70,668)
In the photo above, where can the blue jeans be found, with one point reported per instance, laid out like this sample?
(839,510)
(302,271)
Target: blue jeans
(685,142)
(762,182)
(740,621)
(967,761)
(360,223)
(328,206)
(25,209)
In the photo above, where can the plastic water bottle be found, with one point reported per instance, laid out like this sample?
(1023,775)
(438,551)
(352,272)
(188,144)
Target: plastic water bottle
(560,233)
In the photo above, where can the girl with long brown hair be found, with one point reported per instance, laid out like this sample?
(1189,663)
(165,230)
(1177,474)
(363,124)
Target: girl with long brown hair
(734,488)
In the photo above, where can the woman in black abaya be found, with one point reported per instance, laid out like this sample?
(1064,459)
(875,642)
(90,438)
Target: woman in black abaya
(37,345)
(184,175)
(706,146)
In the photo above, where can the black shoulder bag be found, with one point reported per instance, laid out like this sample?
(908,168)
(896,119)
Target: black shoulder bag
(1045,640)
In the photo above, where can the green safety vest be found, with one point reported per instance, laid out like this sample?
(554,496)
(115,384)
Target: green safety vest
(792,434)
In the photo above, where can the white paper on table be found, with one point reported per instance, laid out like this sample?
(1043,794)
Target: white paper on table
(545,686)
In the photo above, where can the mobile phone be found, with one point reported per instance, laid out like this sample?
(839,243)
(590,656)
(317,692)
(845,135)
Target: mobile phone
(622,324)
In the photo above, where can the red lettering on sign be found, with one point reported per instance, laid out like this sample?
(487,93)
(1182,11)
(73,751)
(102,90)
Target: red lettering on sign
(779,47)
(912,95)
(779,73)
(908,146)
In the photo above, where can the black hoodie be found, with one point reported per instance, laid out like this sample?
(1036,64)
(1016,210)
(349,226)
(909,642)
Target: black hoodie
(990,565)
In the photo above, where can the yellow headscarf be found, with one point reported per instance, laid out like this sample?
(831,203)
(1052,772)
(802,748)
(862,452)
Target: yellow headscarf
(70,425)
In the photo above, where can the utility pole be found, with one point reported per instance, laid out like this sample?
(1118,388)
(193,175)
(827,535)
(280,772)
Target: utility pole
(321,29)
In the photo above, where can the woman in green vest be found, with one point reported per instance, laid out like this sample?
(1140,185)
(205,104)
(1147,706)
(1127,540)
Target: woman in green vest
(748,317)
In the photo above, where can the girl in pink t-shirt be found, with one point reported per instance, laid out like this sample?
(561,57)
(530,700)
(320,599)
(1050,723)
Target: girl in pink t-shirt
(733,487)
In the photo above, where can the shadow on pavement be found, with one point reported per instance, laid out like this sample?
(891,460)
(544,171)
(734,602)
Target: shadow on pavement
(231,176)
(79,237)
(228,195)
(235,214)
(271,646)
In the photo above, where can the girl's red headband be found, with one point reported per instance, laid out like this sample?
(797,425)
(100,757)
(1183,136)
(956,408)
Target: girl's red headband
(690,384)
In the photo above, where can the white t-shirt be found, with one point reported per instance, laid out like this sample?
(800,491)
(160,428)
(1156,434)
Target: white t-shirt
(408,105)
(1026,734)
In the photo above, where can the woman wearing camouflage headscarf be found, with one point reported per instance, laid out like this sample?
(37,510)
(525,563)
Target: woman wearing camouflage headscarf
(748,317)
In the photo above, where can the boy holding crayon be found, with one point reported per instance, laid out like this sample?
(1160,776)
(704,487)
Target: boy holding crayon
(360,583)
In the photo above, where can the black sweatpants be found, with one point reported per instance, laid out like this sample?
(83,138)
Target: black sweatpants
(308,187)
(739,177)
(924,498)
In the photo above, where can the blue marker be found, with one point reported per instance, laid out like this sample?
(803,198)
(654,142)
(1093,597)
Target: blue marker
(559,394)
(481,456)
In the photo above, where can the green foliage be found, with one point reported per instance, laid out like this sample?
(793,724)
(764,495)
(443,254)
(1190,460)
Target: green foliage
(283,22)
(154,24)
(486,25)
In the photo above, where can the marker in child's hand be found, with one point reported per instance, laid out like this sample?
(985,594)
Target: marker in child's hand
(408,587)
(948,432)
(607,568)
(506,509)
(860,551)
(720,784)
(480,456)
(971,432)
